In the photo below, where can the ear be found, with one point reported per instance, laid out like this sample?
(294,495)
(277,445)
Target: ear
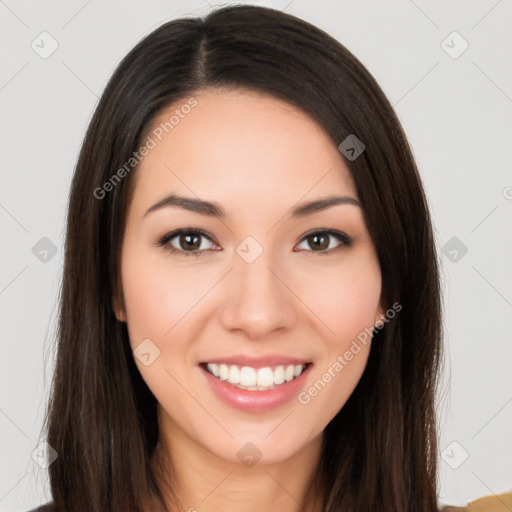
(119,309)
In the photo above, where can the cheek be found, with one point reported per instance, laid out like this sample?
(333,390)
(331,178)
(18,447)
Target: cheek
(345,297)
(158,298)
(158,295)
(146,306)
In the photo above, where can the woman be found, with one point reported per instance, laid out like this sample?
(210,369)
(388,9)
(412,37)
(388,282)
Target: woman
(250,313)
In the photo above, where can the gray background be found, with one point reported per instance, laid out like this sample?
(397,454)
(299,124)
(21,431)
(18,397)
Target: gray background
(455,111)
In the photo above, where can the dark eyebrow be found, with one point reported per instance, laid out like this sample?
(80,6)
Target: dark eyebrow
(189,203)
(215,210)
(322,204)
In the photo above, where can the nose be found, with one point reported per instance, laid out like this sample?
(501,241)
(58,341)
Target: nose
(259,302)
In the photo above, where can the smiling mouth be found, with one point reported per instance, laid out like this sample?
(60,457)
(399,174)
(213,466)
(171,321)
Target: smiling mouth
(255,379)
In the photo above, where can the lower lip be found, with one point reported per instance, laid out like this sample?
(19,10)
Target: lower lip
(256,401)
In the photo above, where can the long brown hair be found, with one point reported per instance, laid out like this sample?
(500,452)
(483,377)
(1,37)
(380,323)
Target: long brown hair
(380,450)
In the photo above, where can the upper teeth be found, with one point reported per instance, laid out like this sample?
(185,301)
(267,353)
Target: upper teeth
(247,376)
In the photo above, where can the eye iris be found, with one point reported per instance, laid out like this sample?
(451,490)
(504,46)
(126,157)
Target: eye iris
(314,241)
(185,241)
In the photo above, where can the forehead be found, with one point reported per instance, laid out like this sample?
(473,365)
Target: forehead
(239,145)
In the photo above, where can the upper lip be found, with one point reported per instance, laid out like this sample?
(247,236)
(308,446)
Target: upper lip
(257,362)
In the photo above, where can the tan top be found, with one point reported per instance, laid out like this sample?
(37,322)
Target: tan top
(494,503)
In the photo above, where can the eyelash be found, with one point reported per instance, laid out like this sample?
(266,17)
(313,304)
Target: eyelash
(345,240)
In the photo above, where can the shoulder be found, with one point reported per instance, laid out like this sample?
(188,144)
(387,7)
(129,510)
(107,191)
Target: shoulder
(43,508)
(493,503)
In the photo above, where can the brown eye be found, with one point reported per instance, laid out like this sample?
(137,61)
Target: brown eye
(189,242)
(320,241)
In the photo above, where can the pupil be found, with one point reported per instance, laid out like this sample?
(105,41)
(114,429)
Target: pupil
(315,239)
(187,239)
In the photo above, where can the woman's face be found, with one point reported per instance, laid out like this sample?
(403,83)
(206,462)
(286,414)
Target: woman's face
(267,289)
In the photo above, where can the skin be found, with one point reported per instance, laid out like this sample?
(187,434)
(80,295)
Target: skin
(257,157)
